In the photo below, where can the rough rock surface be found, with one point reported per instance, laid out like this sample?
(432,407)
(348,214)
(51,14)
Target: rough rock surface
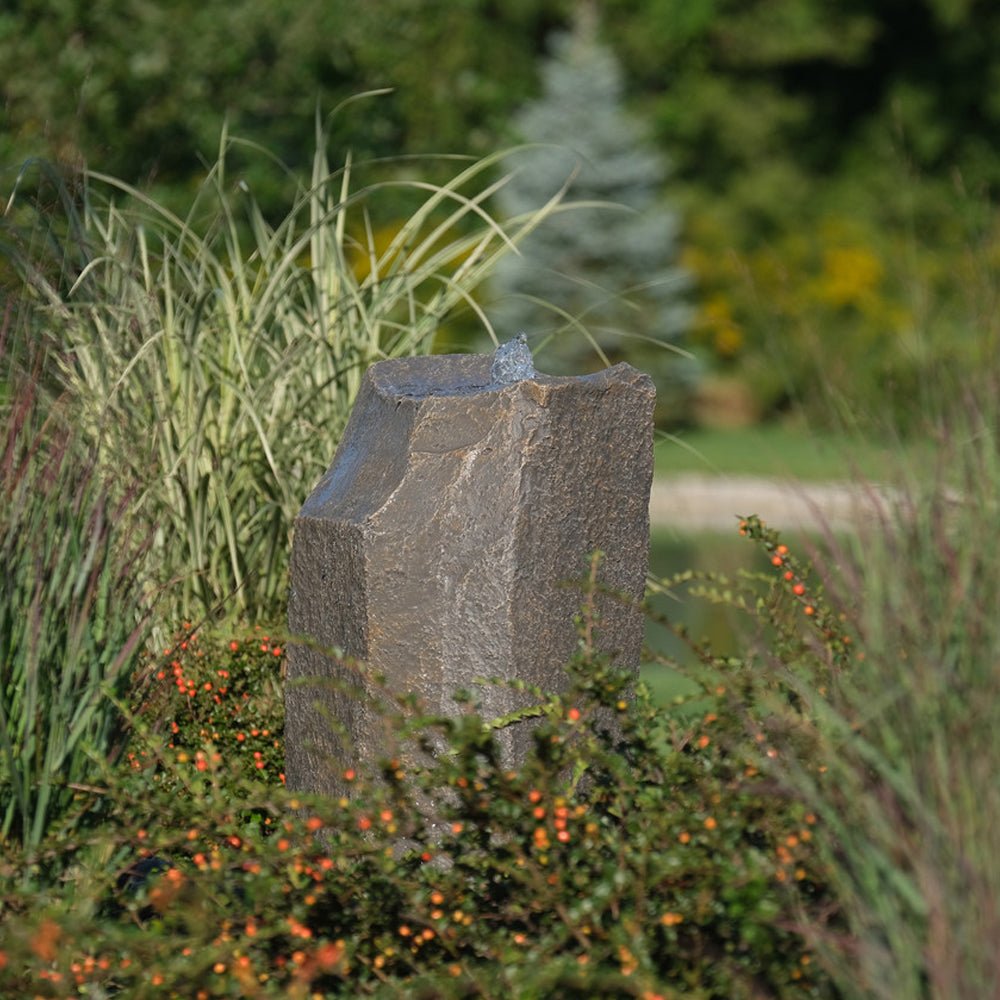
(437,547)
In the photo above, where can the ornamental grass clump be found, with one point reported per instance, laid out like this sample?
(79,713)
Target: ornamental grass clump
(72,614)
(634,852)
(220,352)
(910,730)
(878,687)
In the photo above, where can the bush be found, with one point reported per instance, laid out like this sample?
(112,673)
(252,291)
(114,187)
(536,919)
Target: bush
(636,852)
(843,319)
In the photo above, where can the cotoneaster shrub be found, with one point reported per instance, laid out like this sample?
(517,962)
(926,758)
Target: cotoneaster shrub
(637,851)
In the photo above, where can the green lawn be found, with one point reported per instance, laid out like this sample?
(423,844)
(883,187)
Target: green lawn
(778,450)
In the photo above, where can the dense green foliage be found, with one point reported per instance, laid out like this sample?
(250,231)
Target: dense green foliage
(834,163)
(762,92)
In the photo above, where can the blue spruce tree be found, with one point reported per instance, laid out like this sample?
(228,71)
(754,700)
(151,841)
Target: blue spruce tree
(593,284)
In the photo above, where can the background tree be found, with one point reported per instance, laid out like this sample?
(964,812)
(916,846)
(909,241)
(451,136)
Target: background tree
(596,283)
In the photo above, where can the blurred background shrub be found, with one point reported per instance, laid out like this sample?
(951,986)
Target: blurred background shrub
(832,168)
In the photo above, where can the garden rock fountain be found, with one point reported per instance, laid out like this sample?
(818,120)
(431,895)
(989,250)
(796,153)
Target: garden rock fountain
(467,492)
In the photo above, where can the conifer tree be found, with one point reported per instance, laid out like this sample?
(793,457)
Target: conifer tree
(610,271)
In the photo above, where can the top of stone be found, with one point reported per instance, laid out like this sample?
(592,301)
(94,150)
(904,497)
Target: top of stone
(433,375)
(439,375)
